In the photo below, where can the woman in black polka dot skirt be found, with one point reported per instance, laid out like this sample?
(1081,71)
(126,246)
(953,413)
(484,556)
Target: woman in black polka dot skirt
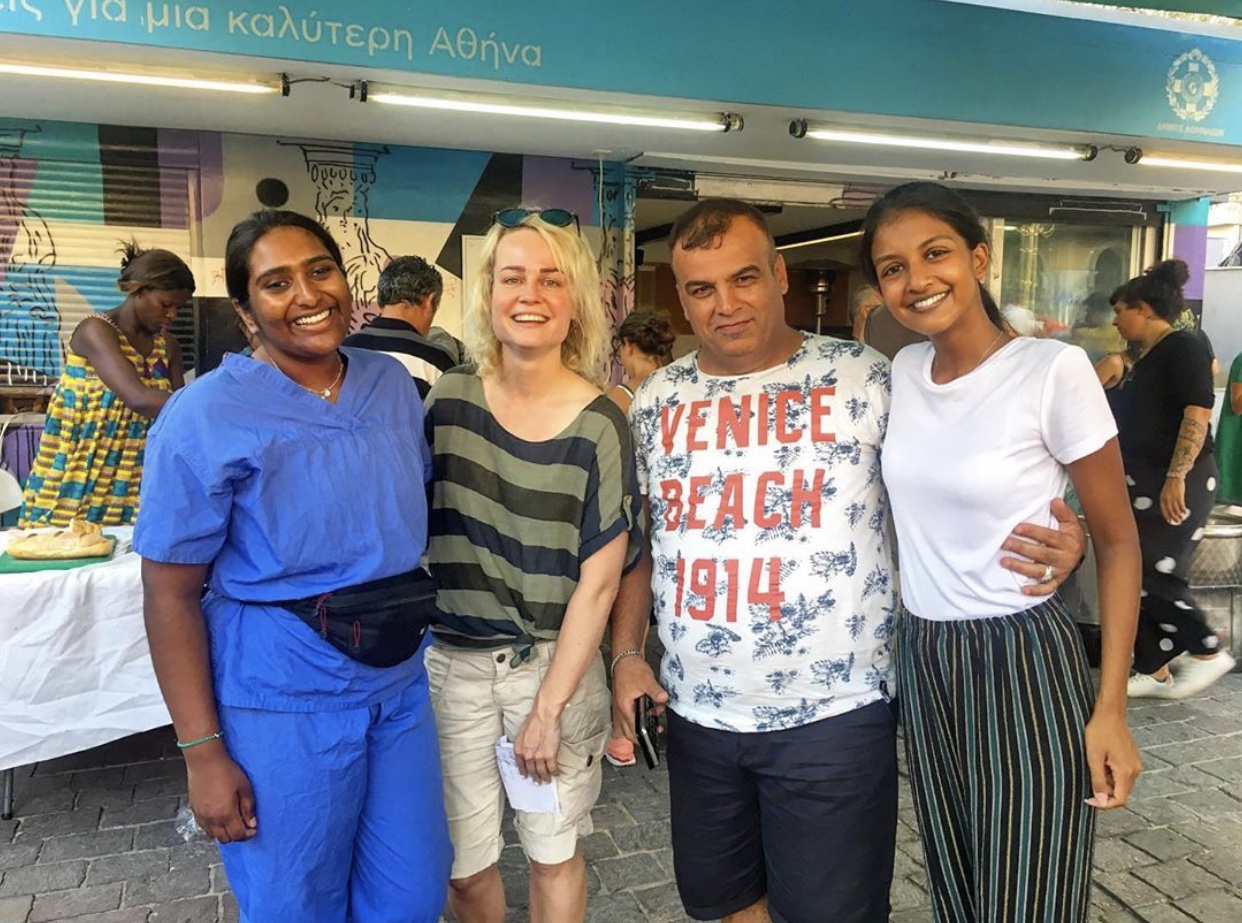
(1164,408)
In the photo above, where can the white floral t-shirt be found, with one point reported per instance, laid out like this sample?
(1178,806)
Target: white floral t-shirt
(769,531)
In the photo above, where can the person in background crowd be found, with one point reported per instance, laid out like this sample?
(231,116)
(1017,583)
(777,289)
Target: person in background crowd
(409,296)
(533,518)
(1095,332)
(885,335)
(645,343)
(771,577)
(293,485)
(1229,439)
(449,343)
(1009,747)
(864,300)
(120,368)
(1113,368)
(1164,412)
(252,339)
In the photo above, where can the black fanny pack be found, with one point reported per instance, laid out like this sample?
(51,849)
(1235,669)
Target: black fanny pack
(380,623)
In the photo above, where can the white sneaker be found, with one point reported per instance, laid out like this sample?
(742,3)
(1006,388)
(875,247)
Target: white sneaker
(1196,675)
(1141,685)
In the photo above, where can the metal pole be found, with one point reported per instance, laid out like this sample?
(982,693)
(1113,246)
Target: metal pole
(7,812)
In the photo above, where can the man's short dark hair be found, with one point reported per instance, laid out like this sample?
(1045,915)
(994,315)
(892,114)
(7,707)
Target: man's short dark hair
(705,223)
(410,278)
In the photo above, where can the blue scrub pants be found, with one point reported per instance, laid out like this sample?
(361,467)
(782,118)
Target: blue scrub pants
(350,811)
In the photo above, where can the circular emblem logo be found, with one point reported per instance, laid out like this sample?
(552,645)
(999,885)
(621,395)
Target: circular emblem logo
(1192,86)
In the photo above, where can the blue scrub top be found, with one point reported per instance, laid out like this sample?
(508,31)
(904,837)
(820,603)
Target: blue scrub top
(286,495)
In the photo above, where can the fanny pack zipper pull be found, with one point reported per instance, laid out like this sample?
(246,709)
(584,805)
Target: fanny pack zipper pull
(321,608)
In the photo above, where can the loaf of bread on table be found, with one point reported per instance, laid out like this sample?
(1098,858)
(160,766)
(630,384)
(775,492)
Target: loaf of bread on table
(80,540)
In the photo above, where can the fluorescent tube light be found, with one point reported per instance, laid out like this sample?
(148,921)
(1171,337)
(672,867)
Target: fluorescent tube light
(1182,163)
(799,128)
(760,189)
(547,109)
(820,240)
(151,80)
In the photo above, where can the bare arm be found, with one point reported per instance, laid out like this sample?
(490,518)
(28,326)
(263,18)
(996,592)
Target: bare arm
(621,398)
(99,344)
(1190,437)
(1235,397)
(632,677)
(1099,480)
(176,365)
(1110,370)
(539,737)
(220,793)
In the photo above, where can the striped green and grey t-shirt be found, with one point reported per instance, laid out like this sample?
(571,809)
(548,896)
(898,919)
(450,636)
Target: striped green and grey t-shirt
(511,521)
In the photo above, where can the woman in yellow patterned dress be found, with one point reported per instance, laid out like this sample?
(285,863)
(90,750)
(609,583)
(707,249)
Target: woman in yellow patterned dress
(120,368)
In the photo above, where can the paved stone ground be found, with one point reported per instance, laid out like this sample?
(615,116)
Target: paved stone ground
(95,841)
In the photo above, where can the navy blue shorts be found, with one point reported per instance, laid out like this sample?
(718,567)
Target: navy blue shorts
(807,816)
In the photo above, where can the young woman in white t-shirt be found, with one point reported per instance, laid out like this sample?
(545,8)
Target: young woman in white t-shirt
(1010,750)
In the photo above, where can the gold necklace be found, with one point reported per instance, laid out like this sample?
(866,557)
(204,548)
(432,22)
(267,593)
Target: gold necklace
(326,393)
(987,352)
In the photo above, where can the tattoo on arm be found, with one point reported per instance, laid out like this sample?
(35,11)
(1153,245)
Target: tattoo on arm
(1189,441)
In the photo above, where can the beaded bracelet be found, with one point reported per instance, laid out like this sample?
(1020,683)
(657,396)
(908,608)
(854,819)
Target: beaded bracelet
(186,745)
(632,652)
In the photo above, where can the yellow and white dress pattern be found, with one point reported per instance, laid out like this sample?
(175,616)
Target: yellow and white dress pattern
(90,455)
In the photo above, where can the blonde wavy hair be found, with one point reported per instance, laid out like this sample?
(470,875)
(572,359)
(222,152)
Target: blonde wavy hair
(586,346)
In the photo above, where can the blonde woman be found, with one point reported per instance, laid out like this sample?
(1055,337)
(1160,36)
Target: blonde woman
(532,521)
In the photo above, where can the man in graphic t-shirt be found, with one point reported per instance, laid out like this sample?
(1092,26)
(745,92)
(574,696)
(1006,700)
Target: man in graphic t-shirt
(759,456)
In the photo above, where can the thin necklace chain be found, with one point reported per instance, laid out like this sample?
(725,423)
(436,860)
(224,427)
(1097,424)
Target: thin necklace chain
(987,352)
(1155,341)
(325,393)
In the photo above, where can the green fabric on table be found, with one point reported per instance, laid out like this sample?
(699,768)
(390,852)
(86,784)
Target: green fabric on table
(9,565)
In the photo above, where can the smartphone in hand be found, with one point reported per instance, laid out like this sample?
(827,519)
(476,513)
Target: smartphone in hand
(647,727)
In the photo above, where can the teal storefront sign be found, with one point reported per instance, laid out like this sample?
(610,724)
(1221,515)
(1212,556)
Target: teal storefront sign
(890,57)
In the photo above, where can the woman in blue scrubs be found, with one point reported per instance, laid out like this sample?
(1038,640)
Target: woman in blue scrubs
(297,472)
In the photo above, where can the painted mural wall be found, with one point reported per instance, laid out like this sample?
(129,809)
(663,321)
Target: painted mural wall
(70,193)
(1044,71)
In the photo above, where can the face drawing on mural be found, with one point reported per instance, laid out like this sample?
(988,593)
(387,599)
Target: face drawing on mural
(29,321)
(343,175)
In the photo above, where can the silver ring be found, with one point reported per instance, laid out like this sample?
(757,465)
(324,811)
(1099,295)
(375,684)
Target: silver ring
(1048,573)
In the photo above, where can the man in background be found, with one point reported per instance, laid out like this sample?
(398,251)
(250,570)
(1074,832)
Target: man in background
(864,300)
(409,295)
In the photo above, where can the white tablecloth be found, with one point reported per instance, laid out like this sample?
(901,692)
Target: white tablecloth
(75,671)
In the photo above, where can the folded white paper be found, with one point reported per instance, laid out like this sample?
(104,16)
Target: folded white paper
(524,793)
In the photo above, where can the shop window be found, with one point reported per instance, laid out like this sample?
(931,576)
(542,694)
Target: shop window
(1063,274)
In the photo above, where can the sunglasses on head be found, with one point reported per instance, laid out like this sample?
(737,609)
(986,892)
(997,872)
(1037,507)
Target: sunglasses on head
(557,217)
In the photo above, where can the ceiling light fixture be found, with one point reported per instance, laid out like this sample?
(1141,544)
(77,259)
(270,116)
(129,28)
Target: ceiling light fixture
(800,128)
(820,240)
(280,85)
(1135,155)
(550,109)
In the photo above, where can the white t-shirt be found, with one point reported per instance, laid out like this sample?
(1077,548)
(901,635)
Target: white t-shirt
(772,567)
(965,462)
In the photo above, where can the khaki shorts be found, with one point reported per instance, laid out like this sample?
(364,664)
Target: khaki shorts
(479,695)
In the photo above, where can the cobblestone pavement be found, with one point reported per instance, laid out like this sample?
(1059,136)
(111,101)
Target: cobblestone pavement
(95,841)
